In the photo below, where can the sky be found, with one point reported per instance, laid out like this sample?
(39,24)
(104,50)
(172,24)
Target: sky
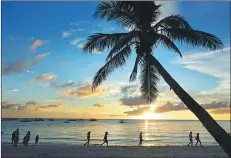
(45,73)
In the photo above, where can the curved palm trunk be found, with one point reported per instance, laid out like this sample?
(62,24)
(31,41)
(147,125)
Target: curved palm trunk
(219,134)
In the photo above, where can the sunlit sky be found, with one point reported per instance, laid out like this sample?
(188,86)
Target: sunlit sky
(45,74)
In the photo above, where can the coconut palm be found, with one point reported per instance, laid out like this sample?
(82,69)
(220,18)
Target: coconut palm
(146,32)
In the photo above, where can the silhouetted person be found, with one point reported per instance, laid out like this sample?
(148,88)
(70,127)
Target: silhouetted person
(105,139)
(198,140)
(88,138)
(141,139)
(36,139)
(13,138)
(28,136)
(25,141)
(16,137)
(190,139)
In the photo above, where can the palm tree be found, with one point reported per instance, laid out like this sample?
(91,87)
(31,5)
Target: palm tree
(145,34)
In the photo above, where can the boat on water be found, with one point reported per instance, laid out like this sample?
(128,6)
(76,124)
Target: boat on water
(93,120)
(38,119)
(26,120)
(72,120)
(121,121)
(50,119)
(66,122)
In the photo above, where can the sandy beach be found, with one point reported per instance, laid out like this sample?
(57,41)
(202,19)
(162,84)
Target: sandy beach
(114,151)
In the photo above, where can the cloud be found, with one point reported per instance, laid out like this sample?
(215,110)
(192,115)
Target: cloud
(168,8)
(68,33)
(212,63)
(168,107)
(40,57)
(215,105)
(98,105)
(129,90)
(28,71)
(16,67)
(13,90)
(138,111)
(220,111)
(204,62)
(22,108)
(133,101)
(32,102)
(6,105)
(43,77)
(75,41)
(84,90)
(80,45)
(79,22)
(64,85)
(117,115)
(37,43)
(64,63)
(49,106)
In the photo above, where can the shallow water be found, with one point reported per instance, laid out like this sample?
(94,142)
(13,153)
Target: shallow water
(155,132)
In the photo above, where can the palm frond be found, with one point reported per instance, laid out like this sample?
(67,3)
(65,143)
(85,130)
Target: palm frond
(124,41)
(168,43)
(134,71)
(149,77)
(194,38)
(101,41)
(173,21)
(117,61)
(116,10)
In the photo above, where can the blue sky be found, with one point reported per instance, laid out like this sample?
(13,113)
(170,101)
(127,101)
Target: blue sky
(52,33)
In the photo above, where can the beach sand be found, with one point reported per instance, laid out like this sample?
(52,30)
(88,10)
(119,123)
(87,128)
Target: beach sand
(114,151)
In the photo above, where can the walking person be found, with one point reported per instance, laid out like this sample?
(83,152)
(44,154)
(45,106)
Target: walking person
(28,137)
(16,137)
(141,139)
(190,139)
(13,138)
(198,140)
(25,141)
(88,138)
(105,139)
(36,139)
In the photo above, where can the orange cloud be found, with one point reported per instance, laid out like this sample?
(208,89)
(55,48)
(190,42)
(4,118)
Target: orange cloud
(98,105)
(44,77)
(85,92)
(49,106)
(220,111)
(37,44)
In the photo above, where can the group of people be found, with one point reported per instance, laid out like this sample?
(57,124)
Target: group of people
(191,139)
(105,140)
(89,137)
(26,139)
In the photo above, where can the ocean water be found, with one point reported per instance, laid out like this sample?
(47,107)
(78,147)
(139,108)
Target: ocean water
(155,132)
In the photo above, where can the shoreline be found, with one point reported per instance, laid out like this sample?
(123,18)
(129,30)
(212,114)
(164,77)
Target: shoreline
(9,151)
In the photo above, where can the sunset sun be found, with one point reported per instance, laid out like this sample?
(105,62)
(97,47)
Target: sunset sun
(149,116)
